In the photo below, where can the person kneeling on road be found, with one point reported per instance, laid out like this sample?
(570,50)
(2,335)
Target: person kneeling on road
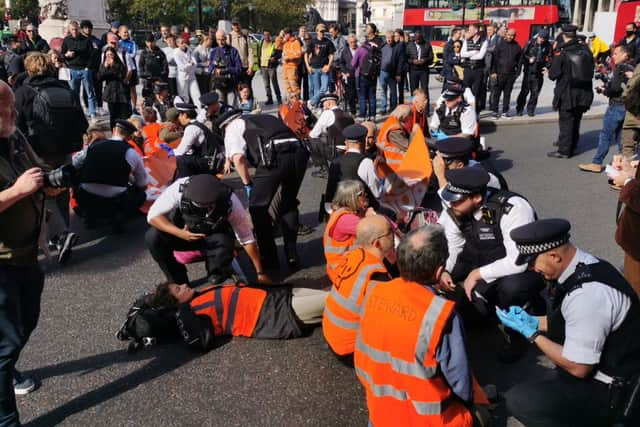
(274,312)
(453,116)
(104,168)
(206,214)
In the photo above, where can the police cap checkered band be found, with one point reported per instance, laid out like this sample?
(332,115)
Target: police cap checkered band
(454,189)
(538,248)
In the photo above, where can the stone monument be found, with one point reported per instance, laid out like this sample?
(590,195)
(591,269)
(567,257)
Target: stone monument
(58,13)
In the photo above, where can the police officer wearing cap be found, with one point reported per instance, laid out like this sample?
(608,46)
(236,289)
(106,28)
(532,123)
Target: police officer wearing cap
(478,222)
(211,109)
(453,116)
(200,213)
(161,101)
(572,69)
(200,150)
(536,57)
(327,132)
(590,333)
(112,178)
(474,49)
(266,143)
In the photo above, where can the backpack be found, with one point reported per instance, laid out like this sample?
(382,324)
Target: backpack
(581,66)
(146,325)
(57,121)
(207,158)
(371,64)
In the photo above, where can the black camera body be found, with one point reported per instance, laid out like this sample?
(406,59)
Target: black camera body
(61,177)
(221,77)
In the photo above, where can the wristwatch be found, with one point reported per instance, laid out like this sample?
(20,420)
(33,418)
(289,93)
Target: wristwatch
(532,338)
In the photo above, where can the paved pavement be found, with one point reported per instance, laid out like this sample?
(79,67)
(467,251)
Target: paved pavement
(88,378)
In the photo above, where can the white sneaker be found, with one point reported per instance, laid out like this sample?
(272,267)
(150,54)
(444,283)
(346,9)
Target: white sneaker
(22,385)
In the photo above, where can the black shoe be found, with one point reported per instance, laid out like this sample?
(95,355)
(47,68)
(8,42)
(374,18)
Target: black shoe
(293,263)
(279,101)
(519,113)
(557,155)
(65,245)
(269,102)
(90,223)
(321,173)
(304,230)
(513,350)
(530,114)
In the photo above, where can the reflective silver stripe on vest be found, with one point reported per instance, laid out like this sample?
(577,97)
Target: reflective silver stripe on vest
(345,324)
(328,247)
(396,161)
(426,327)
(387,390)
(394,149)
(351,303)
(414,369)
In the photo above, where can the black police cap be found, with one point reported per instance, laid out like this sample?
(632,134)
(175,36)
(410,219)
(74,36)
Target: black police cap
(570,29)
(160,86)
(355,133)
(538,237)
(150,37)
(453,92)
(205,190)
(328,96)
(227,117)
(464,182)
(126,126)
(454,147)
(209,98)
(183,106)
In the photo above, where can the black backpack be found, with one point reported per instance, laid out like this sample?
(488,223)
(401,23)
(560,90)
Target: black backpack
(581,66)
(146,325)
(57,120)
(207,158)
(370,67)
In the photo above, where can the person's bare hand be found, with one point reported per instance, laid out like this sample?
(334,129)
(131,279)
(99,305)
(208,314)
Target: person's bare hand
(29,182)
(446,283)
(438,166)
(620,178)
(628,74)
(325,69)
(185,234)
(69,54)
(265,280)
(369,211)
(227,167)
(53,192)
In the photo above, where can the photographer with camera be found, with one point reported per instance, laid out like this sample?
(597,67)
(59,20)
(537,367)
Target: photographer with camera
(200,213)
(225,68)
(614,116)
(103,170)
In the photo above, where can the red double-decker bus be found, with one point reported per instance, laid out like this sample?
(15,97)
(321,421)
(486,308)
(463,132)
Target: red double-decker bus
(435,18)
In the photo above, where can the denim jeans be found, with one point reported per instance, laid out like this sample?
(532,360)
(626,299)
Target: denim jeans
(318,83)
(86,78)
(388,81)
(367,97)
(610,132)
(20,292)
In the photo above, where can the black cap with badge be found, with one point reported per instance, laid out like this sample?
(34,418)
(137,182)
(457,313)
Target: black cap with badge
(464,182)
(126,127)
(454,147)
(355,133)
(209,98)
(452,93)
(227,118)
(328,97)
(538,237)
(184,107)
(570,30)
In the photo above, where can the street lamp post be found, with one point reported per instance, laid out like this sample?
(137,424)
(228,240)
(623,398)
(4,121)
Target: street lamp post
(250,7)
(198,14)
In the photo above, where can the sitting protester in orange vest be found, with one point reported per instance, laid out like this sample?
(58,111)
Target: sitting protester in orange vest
(350,205)
(297,116)
(410,353)
(151,131)
(275,312)
(395,135)
(341,319)
(420,111)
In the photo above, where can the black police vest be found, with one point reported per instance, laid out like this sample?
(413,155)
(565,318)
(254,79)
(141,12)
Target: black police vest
(484,242)
(621,352)
(450,123)
(161,108)
(343,168)
(106,164)
(475,46)
(216,223)
(334,132)
(260,131)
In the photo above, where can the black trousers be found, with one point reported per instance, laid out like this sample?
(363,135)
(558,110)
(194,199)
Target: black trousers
(400,85)
(419,78)
(20,293)
(204,82)
(321,152)
(303,81)
(118,111)
(218,249)
(502,86)
(531,85)
(287,173)
(569,123)
(517,289)
(97,89)
(93,207)
(474,79)
(173,86)
(351,93)
(560,400)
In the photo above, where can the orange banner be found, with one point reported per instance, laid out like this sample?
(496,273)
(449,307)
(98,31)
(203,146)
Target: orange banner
(161,167)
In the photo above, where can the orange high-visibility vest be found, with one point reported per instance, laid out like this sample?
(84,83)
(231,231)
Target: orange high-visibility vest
(391,152)
(334,249)
(341,318)
(401,327)
(233,310)
(151,131)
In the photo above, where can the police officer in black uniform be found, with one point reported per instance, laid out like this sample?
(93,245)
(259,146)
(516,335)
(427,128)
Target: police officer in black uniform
(453,116)
(590,334)
(266,143)
(536,57)
(161,100)
(477,224)
(572,69)
(473,51)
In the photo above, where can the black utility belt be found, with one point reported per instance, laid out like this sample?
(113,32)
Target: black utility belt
(474,64)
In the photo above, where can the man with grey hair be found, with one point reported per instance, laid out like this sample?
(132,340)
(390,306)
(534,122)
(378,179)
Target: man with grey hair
(431,341)
(33,41)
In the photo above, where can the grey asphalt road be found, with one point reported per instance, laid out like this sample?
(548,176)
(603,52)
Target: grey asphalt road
(87,378)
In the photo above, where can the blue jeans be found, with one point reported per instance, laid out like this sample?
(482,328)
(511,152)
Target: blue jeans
(388,81)
(366,97)
(318,83)
(86,78)
(611,131)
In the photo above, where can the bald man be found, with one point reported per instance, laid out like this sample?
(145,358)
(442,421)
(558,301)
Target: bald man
(375,242)
(225,67)
(370,149)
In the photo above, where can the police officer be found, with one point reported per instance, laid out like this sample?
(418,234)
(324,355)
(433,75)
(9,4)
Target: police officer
(266,143)
(572,69)
(473,51)
(590,334)
(327,132)
(535,60)
(453,116)
(207,215)
(161,100)
(210,108)
(103,168)
(482,254)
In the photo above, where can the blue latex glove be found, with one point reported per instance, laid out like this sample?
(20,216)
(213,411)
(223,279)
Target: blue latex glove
(247,190)
(518,320)
(438,134)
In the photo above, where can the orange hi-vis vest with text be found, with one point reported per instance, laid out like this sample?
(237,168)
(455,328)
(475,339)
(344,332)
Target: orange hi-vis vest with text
(401,327)
(152,131)
(391,152)
(233,310)
(334,249)
(341,318)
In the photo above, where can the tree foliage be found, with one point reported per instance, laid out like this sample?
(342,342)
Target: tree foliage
(24,9)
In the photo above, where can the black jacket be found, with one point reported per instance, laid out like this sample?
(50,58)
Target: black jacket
(82,47)
(115,90)
(506,58)
(39,45)
(153,64)
(412,55)
(568,95)
(614,88)
(346,61)
(541,55)
(635,47)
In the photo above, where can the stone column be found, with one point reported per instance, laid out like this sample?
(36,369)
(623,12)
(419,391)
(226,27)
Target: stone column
(576,12)
(586,26)
(60,12)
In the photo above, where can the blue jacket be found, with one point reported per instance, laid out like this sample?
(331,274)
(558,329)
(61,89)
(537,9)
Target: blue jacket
(230,53)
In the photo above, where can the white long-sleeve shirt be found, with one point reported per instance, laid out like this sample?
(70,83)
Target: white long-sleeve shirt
(173,68)
(520,214)
(185,64)
(193,136)
(326,120)
(474,55)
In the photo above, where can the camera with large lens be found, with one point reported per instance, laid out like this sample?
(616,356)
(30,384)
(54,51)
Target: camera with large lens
(60,178)
(603,77)
(221,78)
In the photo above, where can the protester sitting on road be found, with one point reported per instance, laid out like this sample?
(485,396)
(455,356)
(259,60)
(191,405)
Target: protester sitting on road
(453,116)
(245,98)
(370,148)
(273,312)
(160,100)
(206,217)
(359,267)
(350,204)
(420,111)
